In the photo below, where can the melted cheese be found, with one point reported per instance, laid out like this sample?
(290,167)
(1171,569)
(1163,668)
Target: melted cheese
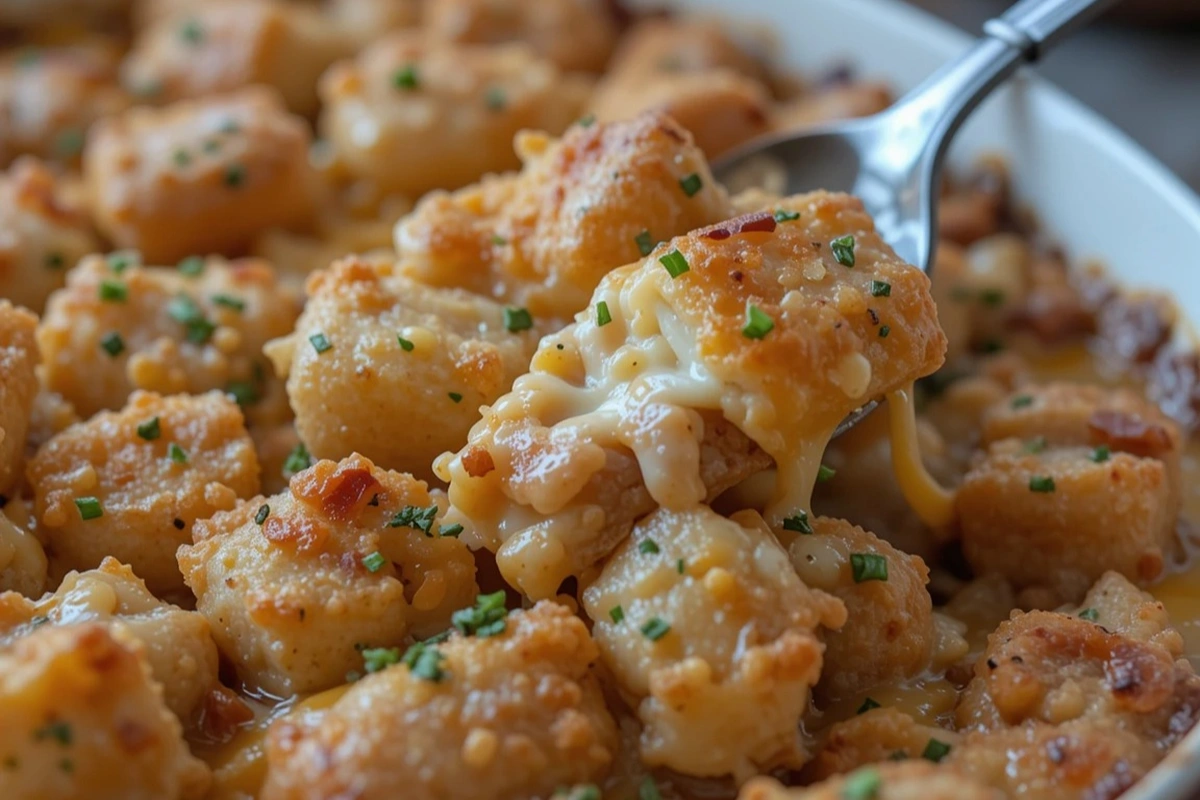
(929,500)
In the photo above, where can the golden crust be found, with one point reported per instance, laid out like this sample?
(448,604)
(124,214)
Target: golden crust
(160,352)
(460,113)
(722,692)
(516,715)
(907,780)
(291,600)
(873,737)
(149,500)
(18,358)
(83,718)
(199,176)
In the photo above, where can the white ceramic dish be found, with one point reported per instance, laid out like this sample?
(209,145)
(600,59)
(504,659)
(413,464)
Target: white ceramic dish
(1094,189)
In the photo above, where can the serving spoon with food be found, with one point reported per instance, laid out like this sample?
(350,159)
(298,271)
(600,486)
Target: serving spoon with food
(892,160)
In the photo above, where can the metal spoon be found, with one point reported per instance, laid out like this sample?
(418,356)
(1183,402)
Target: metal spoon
(892,160)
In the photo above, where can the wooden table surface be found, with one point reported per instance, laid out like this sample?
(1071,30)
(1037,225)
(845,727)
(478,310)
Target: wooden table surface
(1146,80)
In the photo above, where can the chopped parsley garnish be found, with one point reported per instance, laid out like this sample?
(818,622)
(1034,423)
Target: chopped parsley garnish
(424,661)
(868,567)
(112,343)
(758,322)
(843,250)
(1021,401)
(485,618)
(456,397)
(59,731)
(376,659)
(191,266)
(297,461)
(1041,483)
(935,751)
(177,453)
(235,175)
(691,184)
(54,260)
(862,785)
(89,507)
(680,566)
(183,309)
(406,77)
(243,393)
(867,704)
(824,473)
(648,789)
(648,547)
(150,429)
(1035,445)
(1090,614)
(517,319)
(798,523)
(320,342)
(783,215)
(261,515)
(113,291)
(587,121)
(496,99)
(452,530)
(884,331)
(499,240)
(229,301)
(603,317)
(655,629)
(405,344)
(1100,454)
(191,32)
(881,289)
(617,614)
(991,298)
(181,158)
(675,263)
(644,243)
(415,517)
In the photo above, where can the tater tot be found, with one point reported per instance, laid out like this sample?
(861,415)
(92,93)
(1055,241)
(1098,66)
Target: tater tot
(130,484)
(598,198)
(349,557)
(119,326)
(458,106)
(874,736)
(42,234)
(384,366)
(18,387)
(176,643)
(705,626)
(83,718)
(199,176)
(509,716)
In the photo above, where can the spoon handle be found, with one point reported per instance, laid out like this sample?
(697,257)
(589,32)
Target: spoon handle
(1035,25)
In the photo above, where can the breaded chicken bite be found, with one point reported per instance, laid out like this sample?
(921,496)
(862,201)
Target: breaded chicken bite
(876,736)
(23,566)
(410,114)
(599,198)
(573,34)
(784,320)
(83,718)
(50,96)
(199,176)
(1083,511)
(220,45)
(18,387)
(888,635)
(708,630)
(42,234)
(176,643)
(130,483)
(395,370)
(119,326)
(907,780)
(511,715)
(349,557)
(1117,605)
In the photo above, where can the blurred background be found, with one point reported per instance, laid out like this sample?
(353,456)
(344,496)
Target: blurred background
(1140,67)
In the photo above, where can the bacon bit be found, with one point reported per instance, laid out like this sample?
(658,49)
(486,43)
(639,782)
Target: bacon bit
(1129,433)
(343,499)
(304,533)
(1134,329)
(477,461)
(222,713)
(758,222)
(337,489)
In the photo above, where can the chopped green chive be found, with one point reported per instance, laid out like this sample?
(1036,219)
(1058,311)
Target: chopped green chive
(680,566)
(183,309)
(68,143)
(517,319)
(675,263)
(644,243)
(655,629)
(862,785)
(89,507)
(374,561)
(1035,445)
(376,659)
(211,146)
(177,453)
(758,323)
(452,531)
(867,704)
(320,342)
(181,158)
(59,731)
(884,331)
(235,175)
(297,461)
(783,215)
(54,260)
(495,99)
(229,125)
(229,301)
(691,184)
(935,751)
(617,614)
(122,260)
(648,547)
(587,121)
(603,317)
(648,789)
(798,523)
(1041,483)
(243,393)
(843,250)
(1100,454)
(485,618)
(1021,401)
(113,291)
(456,397)
(425,662)
(824,474)
(868,567)
(991,297)
(499,240)
(150,429)
(415,517)
(405,344)
(1090,614)
(191,32)
(112,343)
(406,77)
(881,289)
(261,515)
(191,266)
